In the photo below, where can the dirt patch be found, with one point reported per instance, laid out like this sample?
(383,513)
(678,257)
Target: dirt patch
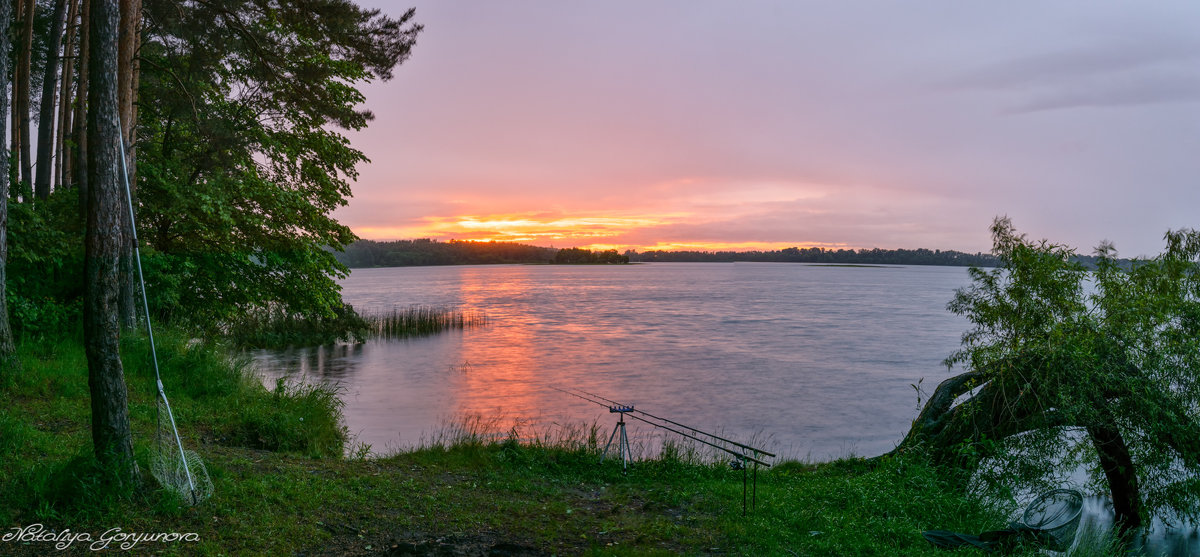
(460,546)
(416,544)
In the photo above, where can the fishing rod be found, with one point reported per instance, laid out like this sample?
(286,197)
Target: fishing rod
(741,455)
(643,412)
(625,408)
(622,409)
(595,399)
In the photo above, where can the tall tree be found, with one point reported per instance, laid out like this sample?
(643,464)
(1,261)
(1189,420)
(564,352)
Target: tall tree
(241,161)
(62,170)
(23,92)
(111,435)
(43,178)
(14,119)
(1105,360)
(6,337)
(127,70)
(79,133)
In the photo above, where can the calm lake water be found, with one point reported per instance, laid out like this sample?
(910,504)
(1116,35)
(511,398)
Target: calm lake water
(811,361)
(806,361)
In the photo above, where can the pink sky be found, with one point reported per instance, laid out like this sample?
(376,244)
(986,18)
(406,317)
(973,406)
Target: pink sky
(720,125)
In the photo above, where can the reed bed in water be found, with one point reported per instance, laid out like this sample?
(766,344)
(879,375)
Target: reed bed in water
(421,320)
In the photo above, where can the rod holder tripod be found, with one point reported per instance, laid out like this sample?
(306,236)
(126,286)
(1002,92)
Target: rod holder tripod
(742,463)
(623,442)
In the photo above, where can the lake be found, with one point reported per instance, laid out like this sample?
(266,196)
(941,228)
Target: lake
(809,361)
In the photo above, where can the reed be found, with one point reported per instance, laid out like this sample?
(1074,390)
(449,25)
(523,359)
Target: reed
(421,320)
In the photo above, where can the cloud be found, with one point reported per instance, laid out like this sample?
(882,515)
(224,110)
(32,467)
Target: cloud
(1102,75)
(1120,91)
(862,124)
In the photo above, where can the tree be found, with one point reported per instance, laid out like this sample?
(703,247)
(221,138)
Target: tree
(1106,361)
(127,84)
(111,437)
(6,336)
(62,167)
(240,160)
(80,132)
(22,92)
(43,177)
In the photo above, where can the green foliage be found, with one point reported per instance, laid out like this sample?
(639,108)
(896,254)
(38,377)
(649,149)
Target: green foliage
(421,320)
(45,267)
(240,163)
(47,469)
(303,419)
(1063,350)
(275,326)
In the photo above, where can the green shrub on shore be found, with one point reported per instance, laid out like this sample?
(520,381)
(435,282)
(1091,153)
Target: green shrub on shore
(46,465)
(274,326)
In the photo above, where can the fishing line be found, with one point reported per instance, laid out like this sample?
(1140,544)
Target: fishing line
(609,403)
(623,409)
(643,412)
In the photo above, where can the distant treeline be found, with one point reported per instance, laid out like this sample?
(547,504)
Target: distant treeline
(820,255)
(403,253)
(406,253)
(580,256)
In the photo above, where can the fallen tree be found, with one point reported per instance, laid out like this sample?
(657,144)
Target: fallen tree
(1067,366)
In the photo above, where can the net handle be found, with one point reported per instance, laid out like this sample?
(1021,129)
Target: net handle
(137,257)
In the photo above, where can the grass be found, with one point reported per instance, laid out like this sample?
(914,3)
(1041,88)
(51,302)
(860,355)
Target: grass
(283,487)
(274,327)
(421,320)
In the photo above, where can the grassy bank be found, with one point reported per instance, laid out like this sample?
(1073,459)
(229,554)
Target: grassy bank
(281,487)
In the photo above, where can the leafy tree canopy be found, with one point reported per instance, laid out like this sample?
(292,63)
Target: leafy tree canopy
(240,161)
(1105,361)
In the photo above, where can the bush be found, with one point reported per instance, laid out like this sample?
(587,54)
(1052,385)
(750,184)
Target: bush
(297,418)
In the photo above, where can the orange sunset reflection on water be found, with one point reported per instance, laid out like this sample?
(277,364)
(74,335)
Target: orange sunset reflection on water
(499,379)
(778,352)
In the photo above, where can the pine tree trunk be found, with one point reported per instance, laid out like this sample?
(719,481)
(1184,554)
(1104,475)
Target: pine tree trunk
(6,338)
(62,168)
(14,119)
(111,435)
(45,144)
(81,125)
(131,12)
(22,98)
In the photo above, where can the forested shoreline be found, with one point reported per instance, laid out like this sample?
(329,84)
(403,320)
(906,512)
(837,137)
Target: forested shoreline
(429,252)
(425,251)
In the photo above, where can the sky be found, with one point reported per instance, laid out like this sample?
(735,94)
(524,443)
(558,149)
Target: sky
(694,124)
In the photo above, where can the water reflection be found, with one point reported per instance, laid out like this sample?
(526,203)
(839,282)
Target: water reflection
(773,350)
(499,378)
(817,361)
(1159,540)
(327,364)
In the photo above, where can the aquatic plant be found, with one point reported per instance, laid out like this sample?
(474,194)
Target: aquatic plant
(421,320)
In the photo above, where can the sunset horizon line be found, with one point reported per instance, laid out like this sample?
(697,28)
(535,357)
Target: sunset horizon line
(662,246)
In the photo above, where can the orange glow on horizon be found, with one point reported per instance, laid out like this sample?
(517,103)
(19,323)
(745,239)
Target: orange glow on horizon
(625,232)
